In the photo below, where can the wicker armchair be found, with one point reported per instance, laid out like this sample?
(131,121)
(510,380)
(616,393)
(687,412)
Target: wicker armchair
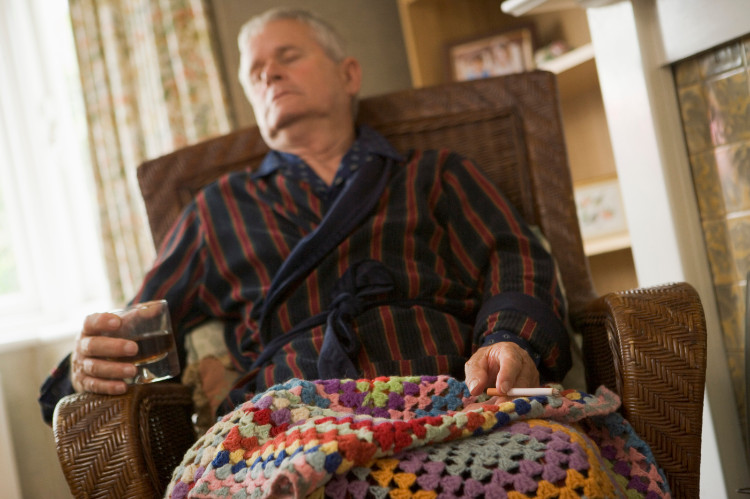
(648,345)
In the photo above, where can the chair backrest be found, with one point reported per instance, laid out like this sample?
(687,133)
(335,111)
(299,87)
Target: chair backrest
(510,126)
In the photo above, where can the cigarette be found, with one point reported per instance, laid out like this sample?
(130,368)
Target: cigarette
(525,392)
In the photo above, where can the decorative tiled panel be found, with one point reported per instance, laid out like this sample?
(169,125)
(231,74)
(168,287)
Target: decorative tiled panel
(719,249)
(731,308)
(736,364)
(739,234)
(708,187)
(687,72)
(728,99)
(721,60)
(714,95)
(695,118)
(733,168)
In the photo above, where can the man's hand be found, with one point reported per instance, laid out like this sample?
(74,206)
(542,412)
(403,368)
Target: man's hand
(505,363)
(92,367)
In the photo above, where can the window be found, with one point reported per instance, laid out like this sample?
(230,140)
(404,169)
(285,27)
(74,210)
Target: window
(51,268)
(9,283)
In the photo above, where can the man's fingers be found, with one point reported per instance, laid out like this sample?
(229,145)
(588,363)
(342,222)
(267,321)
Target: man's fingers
(507,364)
(475,370)
(107,369)
(100,376)
(103,346)
(517,371)
(104,386)
(511,365)
(92,369)
(94,324)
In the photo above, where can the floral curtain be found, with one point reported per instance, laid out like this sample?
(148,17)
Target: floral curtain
(151,84)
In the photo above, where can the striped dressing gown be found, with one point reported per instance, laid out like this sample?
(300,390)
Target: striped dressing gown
(463,270)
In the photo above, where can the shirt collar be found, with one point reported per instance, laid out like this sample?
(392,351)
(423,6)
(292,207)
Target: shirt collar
(368,141)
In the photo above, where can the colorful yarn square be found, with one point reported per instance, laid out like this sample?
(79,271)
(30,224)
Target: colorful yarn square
(419,436)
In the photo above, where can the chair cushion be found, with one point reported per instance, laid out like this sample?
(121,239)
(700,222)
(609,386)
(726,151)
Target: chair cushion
(422,436)
(209,371)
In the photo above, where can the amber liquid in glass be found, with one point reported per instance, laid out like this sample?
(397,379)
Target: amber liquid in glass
(156,358)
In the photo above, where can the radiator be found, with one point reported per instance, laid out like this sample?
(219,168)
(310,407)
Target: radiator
(11,485)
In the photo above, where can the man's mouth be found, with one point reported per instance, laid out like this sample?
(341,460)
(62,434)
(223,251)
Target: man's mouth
(278,95)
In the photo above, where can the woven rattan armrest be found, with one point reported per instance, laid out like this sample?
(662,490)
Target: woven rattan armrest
(123,446)
(656,340)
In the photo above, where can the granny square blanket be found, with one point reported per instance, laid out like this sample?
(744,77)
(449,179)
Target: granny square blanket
(421,437)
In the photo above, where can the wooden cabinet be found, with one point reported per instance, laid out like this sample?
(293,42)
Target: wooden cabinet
(430,25)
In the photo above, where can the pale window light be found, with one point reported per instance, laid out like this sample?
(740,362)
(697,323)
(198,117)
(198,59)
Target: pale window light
(51,264)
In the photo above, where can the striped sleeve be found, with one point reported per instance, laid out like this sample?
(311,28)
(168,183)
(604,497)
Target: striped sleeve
(522,297)
(178,274)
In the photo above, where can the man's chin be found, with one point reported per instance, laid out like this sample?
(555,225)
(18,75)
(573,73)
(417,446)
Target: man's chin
(281,123)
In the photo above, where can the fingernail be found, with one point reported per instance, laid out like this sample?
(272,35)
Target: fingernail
(131,348)
(113,322)
(129,371)
(471,383)
(505,386)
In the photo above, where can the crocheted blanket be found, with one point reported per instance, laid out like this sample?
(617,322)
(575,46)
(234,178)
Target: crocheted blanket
(421,437)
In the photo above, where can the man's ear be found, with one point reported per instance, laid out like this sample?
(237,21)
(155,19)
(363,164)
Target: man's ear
(351,71)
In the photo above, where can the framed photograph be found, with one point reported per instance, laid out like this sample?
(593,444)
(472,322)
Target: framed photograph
(601,215)
(496,54)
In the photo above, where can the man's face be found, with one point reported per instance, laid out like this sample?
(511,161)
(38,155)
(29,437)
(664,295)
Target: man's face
(292,79)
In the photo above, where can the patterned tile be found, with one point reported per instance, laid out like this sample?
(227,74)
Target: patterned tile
(721,60)
(739,234)
(732,164)
(687,73)
(718,246)
(728,100)
(695,118)
(736,364)
(707,185)
(730,299)
(744,317)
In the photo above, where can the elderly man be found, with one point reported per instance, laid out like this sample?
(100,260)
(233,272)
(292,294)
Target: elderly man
(339,256)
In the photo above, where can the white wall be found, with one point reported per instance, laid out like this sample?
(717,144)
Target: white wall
(22,371)
(12,485)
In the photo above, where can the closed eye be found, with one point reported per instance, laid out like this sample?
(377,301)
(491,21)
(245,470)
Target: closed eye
(289,55)
(283,56)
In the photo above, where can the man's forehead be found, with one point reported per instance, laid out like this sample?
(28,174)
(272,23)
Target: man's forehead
(283,29)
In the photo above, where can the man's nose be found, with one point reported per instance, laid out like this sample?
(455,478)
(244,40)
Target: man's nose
(271,72)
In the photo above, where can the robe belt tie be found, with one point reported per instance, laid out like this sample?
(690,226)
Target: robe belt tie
(353,294)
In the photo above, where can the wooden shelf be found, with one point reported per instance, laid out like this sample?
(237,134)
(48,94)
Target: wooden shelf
(606,244)
(569,60)
(526,7)
(429,26)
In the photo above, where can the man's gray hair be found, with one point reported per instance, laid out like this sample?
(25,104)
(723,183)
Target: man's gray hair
(331,42)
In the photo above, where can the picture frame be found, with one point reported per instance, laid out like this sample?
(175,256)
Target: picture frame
(601,215)
(505,52)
